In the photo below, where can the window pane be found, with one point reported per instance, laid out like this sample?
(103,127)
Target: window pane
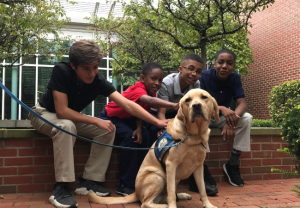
(28,89)
(44,60)
(51,61)
(11,59)
(100,103)
(8,84)
(103,63)
(44,74)
(87,110)
(114,82)
(64,59)
(30,61)
(103,73)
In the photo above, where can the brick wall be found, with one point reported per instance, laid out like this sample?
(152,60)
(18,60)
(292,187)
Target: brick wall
(26,165)
(254,165)
(275,41)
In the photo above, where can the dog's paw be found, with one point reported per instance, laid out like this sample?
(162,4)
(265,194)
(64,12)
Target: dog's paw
(184,196)
(209,205)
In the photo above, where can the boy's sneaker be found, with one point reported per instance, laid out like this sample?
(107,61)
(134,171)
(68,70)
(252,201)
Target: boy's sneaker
(233,174)
(61,196)
(121,189)
(208,177)
(210,190)
(87,186)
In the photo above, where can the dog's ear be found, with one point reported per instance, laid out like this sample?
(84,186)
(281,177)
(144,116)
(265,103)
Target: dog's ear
(216,109)
(180,115)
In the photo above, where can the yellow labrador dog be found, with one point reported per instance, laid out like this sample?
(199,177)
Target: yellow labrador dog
(155,186)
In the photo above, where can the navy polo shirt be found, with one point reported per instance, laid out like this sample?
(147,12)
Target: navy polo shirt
(64,79)
(223,92)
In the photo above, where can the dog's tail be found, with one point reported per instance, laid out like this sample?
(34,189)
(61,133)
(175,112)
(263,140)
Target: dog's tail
(112,200)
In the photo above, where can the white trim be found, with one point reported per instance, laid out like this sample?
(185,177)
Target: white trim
(36,79)
(107,72)
(3,92)
(20,87)
(93,108)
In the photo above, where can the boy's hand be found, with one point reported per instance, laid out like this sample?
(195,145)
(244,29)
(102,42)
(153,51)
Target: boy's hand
(162,123)
(160,132)
(105,125)
(228,133)
(138,134)
(176,106)
(231,118)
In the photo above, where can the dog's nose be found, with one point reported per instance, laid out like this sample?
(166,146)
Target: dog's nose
(197,105)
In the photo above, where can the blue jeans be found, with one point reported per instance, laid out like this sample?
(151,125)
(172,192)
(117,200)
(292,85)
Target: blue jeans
(130,160)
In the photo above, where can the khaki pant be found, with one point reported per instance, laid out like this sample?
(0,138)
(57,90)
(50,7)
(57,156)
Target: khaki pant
(63,143)
(242,135)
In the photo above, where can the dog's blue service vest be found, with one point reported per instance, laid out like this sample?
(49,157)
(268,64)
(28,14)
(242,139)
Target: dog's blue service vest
(162,146)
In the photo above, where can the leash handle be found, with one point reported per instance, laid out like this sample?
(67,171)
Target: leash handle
(63,130)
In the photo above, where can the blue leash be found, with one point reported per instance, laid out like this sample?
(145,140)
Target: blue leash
(57,127)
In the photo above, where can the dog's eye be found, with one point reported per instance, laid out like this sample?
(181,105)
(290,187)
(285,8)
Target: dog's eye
(188,100)
(203,97)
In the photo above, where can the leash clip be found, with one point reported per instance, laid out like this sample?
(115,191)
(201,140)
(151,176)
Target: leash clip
(185,138)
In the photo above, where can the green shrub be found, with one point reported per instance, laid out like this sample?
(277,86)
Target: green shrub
(264,123)
(284,97)
(291,134)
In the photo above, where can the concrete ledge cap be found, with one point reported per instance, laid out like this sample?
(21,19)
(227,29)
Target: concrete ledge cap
(32,133)
(15,124)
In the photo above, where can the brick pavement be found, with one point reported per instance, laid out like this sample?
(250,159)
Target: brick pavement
(255,194)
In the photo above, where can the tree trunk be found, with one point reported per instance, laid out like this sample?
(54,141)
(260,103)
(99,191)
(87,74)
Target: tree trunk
(203,55)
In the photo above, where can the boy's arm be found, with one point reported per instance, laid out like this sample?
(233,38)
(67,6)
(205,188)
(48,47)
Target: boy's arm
(138,132)
(64,112)
(136,110)
(158,103)
(228,132)
(161,113)
(241,108)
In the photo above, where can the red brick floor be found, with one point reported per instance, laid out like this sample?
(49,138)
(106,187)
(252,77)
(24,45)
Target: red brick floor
(255,194)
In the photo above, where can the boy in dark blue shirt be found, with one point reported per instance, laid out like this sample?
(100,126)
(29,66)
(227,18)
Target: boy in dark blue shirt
(224,85)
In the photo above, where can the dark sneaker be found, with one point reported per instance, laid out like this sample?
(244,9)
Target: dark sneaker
(210,190)
(87,186)
(62,197)
(208,177)
(233,174)
(124,190)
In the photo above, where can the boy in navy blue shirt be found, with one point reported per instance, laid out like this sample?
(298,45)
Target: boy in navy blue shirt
(224,85)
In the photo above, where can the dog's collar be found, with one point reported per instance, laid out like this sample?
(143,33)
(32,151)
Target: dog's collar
(186,138)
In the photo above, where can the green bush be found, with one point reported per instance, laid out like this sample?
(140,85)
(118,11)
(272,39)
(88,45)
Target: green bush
(284,97)
(291,134)
(264,123)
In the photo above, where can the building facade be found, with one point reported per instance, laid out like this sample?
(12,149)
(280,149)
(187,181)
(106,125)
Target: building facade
(275,41)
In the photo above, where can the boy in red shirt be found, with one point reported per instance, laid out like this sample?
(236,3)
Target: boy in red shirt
(130,129)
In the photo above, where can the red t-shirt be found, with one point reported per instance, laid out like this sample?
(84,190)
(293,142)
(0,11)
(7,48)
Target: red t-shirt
(132,93)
